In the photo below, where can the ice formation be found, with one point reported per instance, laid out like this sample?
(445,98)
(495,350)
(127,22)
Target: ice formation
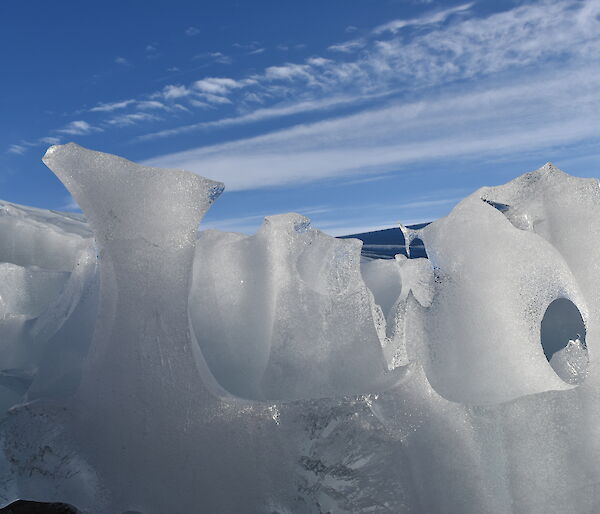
(285,314)
(149,369)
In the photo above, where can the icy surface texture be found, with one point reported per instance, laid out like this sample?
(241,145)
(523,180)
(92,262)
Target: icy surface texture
(504,278)
(285,314)
(36,237)
(391,282)
(147,372)
(48,268)
(571,363)
(143,408)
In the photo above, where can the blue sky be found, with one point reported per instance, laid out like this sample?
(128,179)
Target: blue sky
(356,113)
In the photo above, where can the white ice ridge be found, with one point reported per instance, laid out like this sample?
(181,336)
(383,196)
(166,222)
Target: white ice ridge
(147,369)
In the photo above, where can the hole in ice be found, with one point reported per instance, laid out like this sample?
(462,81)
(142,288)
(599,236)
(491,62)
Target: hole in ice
(29,507)
(563,340)
(417,249)
(561,323)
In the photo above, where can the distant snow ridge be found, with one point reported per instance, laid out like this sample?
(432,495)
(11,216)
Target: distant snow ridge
(146,369)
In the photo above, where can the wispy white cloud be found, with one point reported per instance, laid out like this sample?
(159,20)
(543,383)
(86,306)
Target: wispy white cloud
(428,19)
(151,104)
(253,98)
(181,130)
(289,72)
(452,46)
(17,149)
(535,114)
(319,61)
(122,61)
(172,91)
(366,179)
(420,204)
(215,99)
(79,128)
(192,31)
(396,25)
(22,147)
(113,106)
(134,118)
(348,46)
(217,85)
(214,57)
(253,45)
(50,140)
(465,49)
(276,111)
(221,58)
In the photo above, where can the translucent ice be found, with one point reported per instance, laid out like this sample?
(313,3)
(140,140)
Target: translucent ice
(143,426)
(392,281)
(146,373)
(27,291)
(36,237)
(285,314)
(504,278)
(571,363)
(48,265)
